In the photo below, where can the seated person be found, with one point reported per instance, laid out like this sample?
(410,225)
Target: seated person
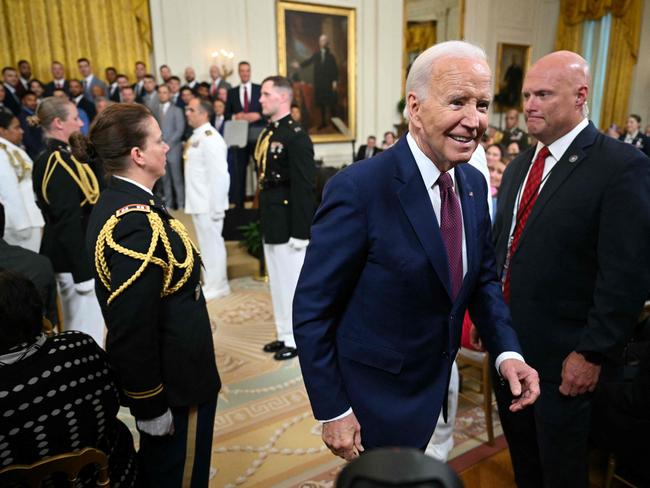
(57,393)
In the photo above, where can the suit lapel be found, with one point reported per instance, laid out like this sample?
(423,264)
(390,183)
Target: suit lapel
(571,159)
(468,205)
(416,203)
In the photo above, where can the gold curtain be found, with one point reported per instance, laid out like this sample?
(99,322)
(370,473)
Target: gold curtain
(107,32)
(420,36)
(623,46)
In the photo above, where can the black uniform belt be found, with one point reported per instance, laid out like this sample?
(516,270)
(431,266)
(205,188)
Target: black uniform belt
(267,183)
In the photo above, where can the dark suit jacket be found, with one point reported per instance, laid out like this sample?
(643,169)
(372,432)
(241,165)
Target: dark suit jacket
(234,106)
(640,142)
(581,270)
(88,107)
(50,87)
(361,153)
(12,101)
(32,134)
(113,93)
(375,326)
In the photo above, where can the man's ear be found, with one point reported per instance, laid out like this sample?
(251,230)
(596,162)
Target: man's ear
(413,106)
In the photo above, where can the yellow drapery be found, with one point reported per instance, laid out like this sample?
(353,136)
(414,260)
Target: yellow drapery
(107,32)
(623,47)
(420,36)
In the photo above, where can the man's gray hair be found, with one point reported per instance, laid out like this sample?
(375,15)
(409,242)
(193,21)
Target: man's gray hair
(419,75)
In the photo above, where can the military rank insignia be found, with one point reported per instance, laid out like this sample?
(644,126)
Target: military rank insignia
(133,207)
(208,132)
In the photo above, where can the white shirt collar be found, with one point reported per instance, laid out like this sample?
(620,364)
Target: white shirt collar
(89,78)
(216,81)
(78,99)
(559,146)
(202,128)
(9,87)
(247,85)
(428,170)
(133,182)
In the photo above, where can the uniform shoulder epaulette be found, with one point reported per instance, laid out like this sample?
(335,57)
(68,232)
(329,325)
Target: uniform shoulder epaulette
(133,207)
(208,132)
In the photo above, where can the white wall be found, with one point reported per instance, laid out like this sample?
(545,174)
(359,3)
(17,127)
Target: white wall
(185,33)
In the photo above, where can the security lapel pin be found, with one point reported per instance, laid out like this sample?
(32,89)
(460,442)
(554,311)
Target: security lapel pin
(471,194)
(573,158)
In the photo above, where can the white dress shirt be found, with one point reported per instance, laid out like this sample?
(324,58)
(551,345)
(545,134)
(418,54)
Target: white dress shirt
(139,185)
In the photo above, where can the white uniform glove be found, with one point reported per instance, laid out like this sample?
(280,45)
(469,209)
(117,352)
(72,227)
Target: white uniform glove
(217,214)
(23,234)
(85,287)
(298,244)
(163,425)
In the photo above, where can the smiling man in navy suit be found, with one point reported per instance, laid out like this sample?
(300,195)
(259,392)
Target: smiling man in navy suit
(400,248)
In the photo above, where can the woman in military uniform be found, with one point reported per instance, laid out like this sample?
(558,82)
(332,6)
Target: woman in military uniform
(66,189)
(148,283)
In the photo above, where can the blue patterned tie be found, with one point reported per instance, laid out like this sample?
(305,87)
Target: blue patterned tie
(451,228)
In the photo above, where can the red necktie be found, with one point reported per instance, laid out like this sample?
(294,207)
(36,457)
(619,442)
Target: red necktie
(451,228)
(246,102)
(214,90)
(528,199)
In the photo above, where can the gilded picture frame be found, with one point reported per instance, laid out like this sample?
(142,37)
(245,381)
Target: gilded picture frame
(513,61)
(316,50)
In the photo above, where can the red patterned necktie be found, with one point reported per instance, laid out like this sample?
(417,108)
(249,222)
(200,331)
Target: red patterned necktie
(528,199)
(451,228)
(246,102)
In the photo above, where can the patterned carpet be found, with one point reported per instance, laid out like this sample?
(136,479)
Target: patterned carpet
(265,434)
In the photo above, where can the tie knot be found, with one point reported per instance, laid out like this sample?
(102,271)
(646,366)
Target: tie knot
(543,153)
(444,181)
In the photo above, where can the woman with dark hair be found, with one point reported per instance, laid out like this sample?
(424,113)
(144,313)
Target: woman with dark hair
(57,393)
(24,221)
(37,87)
(148,282)
(66,189)
(633,134)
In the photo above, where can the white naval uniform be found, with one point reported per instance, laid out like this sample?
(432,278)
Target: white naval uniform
(207,182)
(23,219)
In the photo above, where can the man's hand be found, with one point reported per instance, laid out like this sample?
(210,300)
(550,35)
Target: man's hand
(523,381)
(578,375)
(343,437)
(475,339)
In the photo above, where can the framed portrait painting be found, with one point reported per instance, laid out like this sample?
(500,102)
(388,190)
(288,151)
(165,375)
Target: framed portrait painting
(513,61)
(316,50)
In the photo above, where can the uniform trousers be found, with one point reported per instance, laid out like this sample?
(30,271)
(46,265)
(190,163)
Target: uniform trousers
(181,459)
(442,440)
(283,263)
(548,441)
(29,238)
(174,184)
(80,312)
(213,255)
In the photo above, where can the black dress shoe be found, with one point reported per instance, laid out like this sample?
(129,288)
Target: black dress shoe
(274,346)
(285,353)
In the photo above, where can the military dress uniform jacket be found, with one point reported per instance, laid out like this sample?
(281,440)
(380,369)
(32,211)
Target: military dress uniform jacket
(207,180)
(65,208)
(16,191)
(285,158)
(159,338)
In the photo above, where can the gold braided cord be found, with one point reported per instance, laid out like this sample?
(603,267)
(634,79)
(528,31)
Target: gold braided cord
(83,177)
(16,161)
(261,151)
(105,239)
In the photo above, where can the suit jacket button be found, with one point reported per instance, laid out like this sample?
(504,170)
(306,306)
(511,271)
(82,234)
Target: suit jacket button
(451,318)
(444,354)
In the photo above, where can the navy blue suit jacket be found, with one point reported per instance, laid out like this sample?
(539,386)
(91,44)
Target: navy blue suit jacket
(234,106)
(374,323)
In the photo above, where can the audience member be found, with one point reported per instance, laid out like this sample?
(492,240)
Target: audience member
(190,79)
(174,85)
(172,123)
(613,131)
(3,108)
(127,94)
(159,336)
(59,392)
(24,74)
(111,82)
(12,94)
(206,194)
(165,73)
(222,94)
(101,103)
(203,90)
(66,190)
(219,117)
(122,82)
(216,82)
(512,151)
(149,95)
(32,132)
(634,136)
(98,91)
(24,222)
(368,150)
(389,139)
(244,104)
(572,238)
(140,72)
(37,88)
(89,80)
(37,268)
(78,97)
(58,80)
(512,133)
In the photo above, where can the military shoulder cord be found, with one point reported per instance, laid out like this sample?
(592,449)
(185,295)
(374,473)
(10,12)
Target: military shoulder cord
(84,177)
(17,162)
(106,239)
(261,152)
